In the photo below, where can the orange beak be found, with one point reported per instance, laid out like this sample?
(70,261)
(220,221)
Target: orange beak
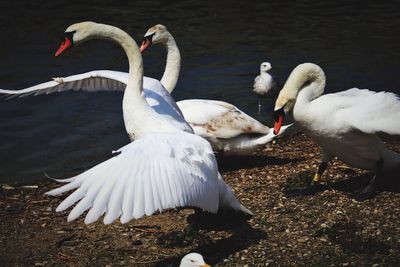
(145,43)
(64,46)
(278,118)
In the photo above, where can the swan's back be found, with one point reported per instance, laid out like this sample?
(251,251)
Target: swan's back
(219,119)
(368,111)
(163,103)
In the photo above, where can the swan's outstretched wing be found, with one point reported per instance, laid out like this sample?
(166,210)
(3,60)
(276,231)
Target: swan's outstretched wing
(98,80)
(365,110)
(156,172)
(219,119)
(107,80)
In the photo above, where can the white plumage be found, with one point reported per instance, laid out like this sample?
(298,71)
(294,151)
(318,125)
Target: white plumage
(264,83)
(154,173)
(344,124)
(227,128)
(193,260)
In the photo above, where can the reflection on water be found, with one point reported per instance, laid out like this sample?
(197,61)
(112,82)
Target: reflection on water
(222,44)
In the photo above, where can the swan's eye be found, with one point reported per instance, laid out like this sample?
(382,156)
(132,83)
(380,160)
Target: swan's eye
(307,83)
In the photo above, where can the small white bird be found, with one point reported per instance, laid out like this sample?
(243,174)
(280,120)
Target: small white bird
(263,83)
(344,124)
(193,260)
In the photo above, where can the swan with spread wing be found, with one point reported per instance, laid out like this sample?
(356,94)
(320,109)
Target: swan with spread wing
(165,167)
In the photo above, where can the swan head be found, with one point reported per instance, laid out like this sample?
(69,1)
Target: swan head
(265,66)
(193,260)
(76,34)
(303,76)
(157,34)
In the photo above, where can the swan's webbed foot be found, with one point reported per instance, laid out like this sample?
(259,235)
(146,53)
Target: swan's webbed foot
(369,191)
(311,189)
(364,193)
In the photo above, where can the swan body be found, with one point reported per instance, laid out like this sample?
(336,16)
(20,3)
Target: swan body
(344,124)
(228,129)
(264,83)
(193,260)
(165,167)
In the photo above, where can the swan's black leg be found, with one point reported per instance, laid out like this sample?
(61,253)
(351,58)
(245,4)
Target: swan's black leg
(314,187)
(369,190)
(321,169)
(219,155)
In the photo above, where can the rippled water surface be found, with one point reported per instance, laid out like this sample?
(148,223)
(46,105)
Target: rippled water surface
(222,44)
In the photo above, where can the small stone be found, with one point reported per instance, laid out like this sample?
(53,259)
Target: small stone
(302,240)
(8,187)
(30,186)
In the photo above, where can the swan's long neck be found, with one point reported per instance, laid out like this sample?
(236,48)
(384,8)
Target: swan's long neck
(173,66)
(311,91)
(139,117)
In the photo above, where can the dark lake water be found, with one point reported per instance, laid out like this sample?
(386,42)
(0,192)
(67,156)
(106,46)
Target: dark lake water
(222,44)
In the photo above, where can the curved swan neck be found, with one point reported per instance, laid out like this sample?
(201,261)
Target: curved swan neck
(173,66)
(139,117)
(135,78)
(305,83)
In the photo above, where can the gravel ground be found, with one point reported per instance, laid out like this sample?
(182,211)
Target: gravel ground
(326,229)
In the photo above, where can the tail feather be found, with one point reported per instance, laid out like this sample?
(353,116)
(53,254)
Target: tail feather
(227,198)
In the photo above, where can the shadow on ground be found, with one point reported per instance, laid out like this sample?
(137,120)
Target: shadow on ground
(389,183)
(232,163)
(242,236)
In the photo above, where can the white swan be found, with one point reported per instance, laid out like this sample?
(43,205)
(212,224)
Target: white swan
(193,260)
(263,83)
(344,124)
(165,167)
(228,129)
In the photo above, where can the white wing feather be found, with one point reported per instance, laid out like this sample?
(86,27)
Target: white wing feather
(154,173)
